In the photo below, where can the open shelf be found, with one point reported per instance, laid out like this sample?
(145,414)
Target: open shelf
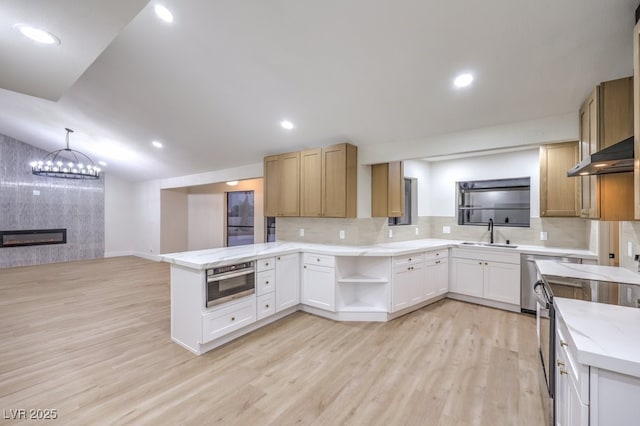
(364,279)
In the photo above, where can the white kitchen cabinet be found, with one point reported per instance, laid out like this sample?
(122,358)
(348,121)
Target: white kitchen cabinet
(287,278)
(489,275)
(407,282)
(467,277)
(230,317)
(502,282)
(319,282)
(436,280)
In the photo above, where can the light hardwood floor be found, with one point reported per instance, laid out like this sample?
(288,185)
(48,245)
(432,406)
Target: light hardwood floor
(91,339)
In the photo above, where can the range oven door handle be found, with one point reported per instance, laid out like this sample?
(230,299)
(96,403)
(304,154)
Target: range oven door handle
(228,275)
(541,294)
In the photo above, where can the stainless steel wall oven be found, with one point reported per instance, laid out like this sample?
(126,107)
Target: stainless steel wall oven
(230,282)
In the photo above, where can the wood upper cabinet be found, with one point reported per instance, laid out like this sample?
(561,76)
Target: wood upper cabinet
(387,189)
(311,182)
(558,193)
(606,118)
(271,185)
(289,201)
(282,185)
(339,180)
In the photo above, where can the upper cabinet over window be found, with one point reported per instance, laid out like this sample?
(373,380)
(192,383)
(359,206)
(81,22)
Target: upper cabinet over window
(312,183)
(505,201)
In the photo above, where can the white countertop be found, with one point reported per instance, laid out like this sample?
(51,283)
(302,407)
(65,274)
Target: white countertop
(588,272)
(203,259)
(605,336)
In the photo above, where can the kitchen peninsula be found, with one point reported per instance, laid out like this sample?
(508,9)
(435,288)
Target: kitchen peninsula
(343,283)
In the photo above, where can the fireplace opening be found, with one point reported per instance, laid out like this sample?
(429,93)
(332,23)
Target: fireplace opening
(32,237)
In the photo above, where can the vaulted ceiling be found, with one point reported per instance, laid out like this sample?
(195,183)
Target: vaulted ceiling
(214,85)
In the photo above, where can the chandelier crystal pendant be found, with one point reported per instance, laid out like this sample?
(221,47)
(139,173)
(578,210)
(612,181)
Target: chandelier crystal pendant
(66,163)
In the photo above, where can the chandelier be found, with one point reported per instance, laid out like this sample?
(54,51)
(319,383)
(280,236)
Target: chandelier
(66,163)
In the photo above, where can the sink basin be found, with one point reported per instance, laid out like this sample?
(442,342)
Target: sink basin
(478,244)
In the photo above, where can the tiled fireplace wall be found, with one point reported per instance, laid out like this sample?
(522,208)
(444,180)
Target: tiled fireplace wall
(34,202)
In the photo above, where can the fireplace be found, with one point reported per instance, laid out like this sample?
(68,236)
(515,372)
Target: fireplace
(32,237)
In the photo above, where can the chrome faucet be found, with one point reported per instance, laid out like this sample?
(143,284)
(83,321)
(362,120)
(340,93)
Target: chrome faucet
(491,230)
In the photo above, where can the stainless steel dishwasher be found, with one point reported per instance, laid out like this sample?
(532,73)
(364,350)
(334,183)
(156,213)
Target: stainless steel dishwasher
(529,276)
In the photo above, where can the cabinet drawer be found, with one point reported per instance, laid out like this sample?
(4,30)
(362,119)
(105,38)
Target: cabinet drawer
(265,282)
(437,254)
(266,305)
(319,259)
(488,255)
(265,264)
(224,320)
(408,259)
(579,373)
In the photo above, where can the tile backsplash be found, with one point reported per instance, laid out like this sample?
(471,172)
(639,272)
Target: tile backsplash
(561,232)
(36,202)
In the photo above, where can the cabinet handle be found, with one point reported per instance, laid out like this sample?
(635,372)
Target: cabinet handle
(278,257)
(485,263)
(266,283)
(318,260)
(560,364)
(563,343)
(305,266)
(409,259)
(479,263)
(266,306)
(437,262)
(266,264)
(437,254)
(233,318)
(563,371)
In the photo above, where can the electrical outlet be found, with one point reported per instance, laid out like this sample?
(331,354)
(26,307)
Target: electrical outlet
(341,234)
(629,248)
(302,232)
(543,236)
(390,233)
(446,229)
(417,231)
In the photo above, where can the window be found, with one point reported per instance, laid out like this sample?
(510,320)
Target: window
(239,218)
(407,217)
(506,201)
(270,229)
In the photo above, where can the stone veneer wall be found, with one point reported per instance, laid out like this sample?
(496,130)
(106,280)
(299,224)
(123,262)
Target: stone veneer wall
(562,232)
(77,205)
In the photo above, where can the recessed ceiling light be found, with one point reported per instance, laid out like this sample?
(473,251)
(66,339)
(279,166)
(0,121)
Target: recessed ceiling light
(102,163)
(463,80)
(37,34)
(163,13)
(232,183)
(156,144)
(286,124)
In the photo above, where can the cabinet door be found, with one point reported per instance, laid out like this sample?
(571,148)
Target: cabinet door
(589,114)
(400,289)
(431,279)
(467,277)
(636,115)
(578,413)
(502,282)
(442,276)
(311,183)
(319,287)
(558,193)
(289,201)
(561,392)
(416,284)
(287,281)
(271,185)
(387,189)
(339,173)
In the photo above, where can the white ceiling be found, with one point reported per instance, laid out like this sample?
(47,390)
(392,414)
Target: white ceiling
(213,86)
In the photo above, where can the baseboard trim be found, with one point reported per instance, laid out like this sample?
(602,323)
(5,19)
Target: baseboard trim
(154,257)
(119,253)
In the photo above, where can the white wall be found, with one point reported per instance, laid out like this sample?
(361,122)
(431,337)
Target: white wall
(118,226)
(206,221)
(173,220)
(419,170)
(443,176)
(145,214)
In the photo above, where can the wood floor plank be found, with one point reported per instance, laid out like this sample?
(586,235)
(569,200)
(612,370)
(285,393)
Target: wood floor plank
(91,339)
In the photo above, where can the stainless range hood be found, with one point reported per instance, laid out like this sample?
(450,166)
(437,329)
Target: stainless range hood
(617,158)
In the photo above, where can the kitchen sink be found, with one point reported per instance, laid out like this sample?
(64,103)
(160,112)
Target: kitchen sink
(479,244)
